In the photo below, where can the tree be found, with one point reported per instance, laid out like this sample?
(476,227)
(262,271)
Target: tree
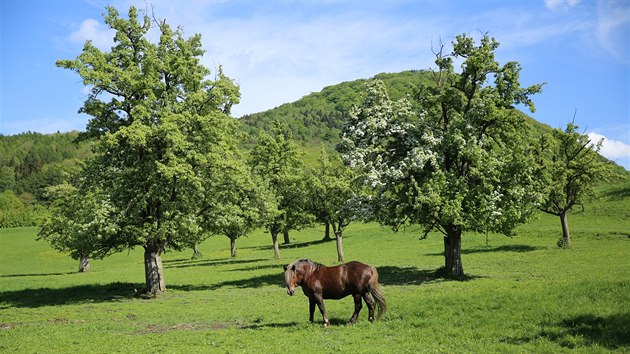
(81,224)
(163,129)
(333,195)
(460,163)
(568,168)
(276,158)
(243,204)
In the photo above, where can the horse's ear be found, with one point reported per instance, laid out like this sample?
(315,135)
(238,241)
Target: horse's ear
(293,268)
(285,268)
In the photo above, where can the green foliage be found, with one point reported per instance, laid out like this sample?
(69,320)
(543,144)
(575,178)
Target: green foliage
(16,212)
(30,162)
(243,202)
(277,159)
(568,168)
(82,223)
(333,195)
(164,134)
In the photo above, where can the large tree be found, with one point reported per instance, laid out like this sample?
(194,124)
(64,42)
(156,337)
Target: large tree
(459,164)
(162,126)
(277,159)
(568,169)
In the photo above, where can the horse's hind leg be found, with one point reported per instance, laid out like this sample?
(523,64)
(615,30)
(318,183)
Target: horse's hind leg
(357,308)
(370,303)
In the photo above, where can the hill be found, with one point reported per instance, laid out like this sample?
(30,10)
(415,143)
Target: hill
(319,116)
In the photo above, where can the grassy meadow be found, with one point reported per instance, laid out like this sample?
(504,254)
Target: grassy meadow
(521,294)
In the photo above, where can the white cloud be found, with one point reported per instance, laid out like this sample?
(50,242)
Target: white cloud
(101,35)
(614,150)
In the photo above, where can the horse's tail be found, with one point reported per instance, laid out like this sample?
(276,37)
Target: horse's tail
(377,294)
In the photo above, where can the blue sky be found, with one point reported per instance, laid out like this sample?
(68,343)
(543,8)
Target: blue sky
(279,51)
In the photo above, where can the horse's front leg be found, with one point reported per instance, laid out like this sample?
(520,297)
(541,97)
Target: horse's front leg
(357,308)
(320,303)
(311,309)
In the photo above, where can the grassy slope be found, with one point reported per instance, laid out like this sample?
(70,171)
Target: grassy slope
(523,294)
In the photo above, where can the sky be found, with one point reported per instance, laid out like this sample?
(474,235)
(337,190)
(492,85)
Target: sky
(280,51)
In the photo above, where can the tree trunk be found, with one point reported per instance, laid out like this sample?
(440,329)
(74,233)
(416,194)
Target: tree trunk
(196,253)
(84,264)
(339,239)
(327,233)
(233,246)
(276,246)
(566,236)
(286,237)
(453,251)
(153,271)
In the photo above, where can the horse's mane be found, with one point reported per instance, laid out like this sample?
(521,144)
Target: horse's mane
(312,265)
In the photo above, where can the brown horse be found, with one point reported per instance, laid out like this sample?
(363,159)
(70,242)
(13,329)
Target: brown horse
(320,282)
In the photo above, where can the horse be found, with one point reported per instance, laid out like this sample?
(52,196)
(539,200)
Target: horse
(320,282)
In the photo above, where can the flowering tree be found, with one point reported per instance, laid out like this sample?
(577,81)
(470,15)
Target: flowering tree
(459,164)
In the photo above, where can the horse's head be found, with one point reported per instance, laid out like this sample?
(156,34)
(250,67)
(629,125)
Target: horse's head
(293,275)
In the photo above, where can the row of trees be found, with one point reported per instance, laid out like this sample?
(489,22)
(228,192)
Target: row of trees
(167,172)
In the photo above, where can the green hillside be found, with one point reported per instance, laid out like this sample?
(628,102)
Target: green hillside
(319,116)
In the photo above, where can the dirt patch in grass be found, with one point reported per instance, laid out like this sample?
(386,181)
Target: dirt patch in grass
(213,326)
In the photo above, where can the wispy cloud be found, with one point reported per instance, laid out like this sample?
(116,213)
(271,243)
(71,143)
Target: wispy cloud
(613,27)
(90,29)
(278,59)
(561,4)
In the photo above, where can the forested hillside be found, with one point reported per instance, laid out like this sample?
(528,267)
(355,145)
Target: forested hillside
(319,116)
(30,162)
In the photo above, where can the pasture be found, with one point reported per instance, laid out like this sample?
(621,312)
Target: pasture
(521,294)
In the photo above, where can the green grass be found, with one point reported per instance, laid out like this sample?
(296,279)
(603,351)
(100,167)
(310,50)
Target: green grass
(522,294)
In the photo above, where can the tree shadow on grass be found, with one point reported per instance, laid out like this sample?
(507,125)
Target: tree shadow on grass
(254,282)
(71,295)
(505,248)
(611,332)
(291,245)
(209,263)
(259,267)
(619,193)
(392,275)
(35,274)
(270,325)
